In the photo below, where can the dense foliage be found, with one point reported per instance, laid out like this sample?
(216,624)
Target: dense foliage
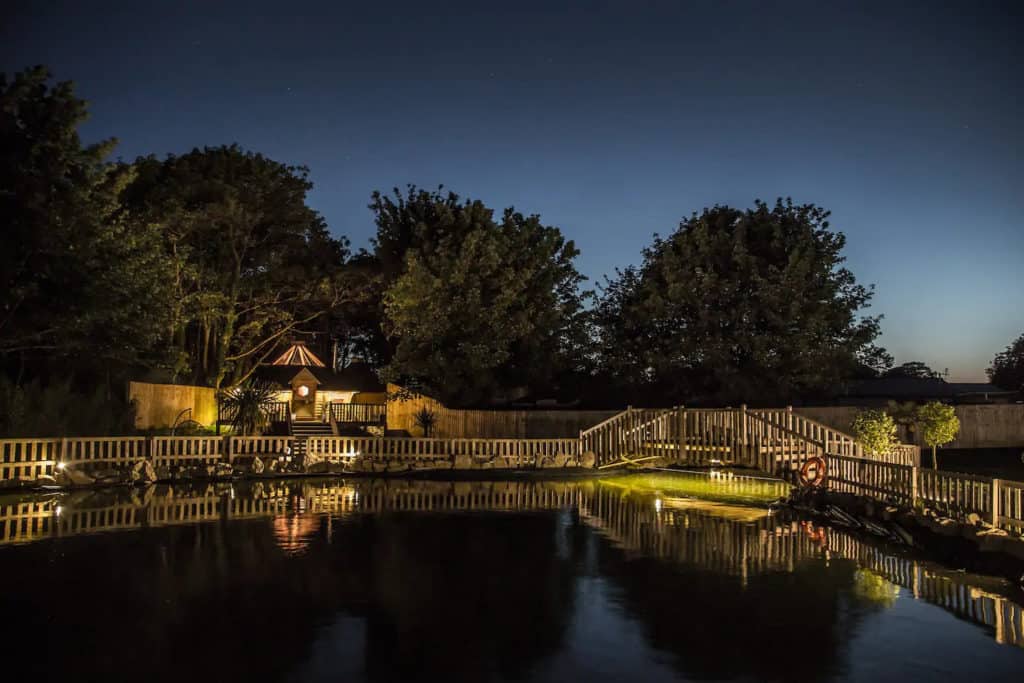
(251,262)
(739,305)
(914,369)
(1007,370)
(84,286)
(475,307)
(195,268)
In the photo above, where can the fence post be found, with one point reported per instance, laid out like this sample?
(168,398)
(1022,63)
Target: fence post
(61,453)
(150,440)
(229,449)
(995,503)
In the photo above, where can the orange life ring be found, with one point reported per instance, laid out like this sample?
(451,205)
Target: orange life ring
(812,472)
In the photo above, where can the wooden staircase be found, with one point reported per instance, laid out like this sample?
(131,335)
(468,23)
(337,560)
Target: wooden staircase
(774,441)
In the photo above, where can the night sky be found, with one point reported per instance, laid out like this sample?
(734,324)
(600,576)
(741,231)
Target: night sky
(612,120)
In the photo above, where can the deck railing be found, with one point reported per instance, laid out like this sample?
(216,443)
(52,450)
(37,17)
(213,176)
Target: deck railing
(274,411)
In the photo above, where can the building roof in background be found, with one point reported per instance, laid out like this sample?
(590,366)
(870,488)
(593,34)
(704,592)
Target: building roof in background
(908,388)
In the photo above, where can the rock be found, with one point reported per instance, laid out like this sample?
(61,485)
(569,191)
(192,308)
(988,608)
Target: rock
(223,470)
(256,466)
(398,466)
(557,461)
(45,481)
(318,468)
(974,519)
(380,465)
(588,460)
(72,476)
(463,462)
(163,473)
(143,472)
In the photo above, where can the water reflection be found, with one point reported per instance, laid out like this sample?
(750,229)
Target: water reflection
(507,580)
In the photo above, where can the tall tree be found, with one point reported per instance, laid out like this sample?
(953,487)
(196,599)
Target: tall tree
(475,306)
(84,286)
(253,263)
(1007,369)
(739,305)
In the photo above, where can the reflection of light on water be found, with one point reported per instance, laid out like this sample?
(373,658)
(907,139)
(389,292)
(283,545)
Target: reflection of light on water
(657,504)
(294,533)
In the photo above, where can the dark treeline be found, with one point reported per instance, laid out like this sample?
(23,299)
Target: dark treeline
(195,268)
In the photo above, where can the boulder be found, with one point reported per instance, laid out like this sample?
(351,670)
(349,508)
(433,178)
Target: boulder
(223,470)
(143,472)
(45,481)
(398,466)
(256,466)
(72,476)
(556,461)
(163,473)
(462,462)
(588,460)
(380,465)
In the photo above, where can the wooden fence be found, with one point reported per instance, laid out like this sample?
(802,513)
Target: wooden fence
(998,502)
(509,452)
(28,458)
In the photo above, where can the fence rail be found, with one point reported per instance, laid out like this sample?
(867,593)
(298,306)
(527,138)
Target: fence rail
(998,502)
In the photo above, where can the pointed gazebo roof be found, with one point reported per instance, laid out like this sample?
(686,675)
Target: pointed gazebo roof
(298,354)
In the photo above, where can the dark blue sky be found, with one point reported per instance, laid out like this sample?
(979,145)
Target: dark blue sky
(612,120)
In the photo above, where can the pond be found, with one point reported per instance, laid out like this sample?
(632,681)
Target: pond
(652,578)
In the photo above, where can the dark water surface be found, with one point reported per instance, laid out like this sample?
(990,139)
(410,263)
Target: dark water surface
(622,579)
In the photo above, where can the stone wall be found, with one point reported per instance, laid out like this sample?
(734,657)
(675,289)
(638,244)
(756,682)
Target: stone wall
(491,424)
(159,405)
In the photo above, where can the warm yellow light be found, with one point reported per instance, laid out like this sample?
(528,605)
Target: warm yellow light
(303,390)
(61,465)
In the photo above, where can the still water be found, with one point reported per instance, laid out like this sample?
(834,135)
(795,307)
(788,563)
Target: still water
(630,578)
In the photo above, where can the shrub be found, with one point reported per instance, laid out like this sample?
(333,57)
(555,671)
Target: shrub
(875,430)
(939,426)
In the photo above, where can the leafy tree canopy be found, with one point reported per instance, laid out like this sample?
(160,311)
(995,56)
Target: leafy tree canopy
(475,306)
(739,305)
(83,286)
(939,425)
(1007,369)
(252,262)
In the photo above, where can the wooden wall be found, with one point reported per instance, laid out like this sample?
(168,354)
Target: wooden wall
(158,405)
(981,426)
(491,424)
